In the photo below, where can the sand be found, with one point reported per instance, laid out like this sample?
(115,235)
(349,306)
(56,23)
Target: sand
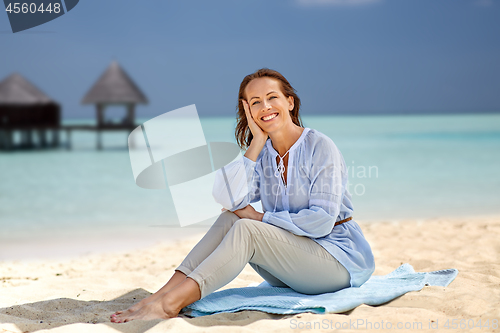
(79,294)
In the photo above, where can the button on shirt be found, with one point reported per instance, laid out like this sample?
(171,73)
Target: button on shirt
(312,200)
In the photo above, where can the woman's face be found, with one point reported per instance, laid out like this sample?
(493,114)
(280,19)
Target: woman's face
(270,109)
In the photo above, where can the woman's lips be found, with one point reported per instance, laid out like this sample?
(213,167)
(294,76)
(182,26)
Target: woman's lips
(276,115)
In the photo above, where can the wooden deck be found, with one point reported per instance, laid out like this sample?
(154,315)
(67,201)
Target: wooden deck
(42,132)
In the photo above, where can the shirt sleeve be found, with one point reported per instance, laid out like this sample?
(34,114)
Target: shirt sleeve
(237,184)
(328,182)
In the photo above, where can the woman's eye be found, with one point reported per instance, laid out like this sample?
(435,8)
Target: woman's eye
(255,102)
(272,97)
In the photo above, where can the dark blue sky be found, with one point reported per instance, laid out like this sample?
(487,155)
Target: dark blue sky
(342,56)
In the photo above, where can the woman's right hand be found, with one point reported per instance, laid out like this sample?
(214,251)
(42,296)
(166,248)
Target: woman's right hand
(257,132)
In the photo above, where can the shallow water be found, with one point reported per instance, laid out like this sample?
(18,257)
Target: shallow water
(399,167)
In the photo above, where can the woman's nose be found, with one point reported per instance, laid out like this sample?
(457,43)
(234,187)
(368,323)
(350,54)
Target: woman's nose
(266,105)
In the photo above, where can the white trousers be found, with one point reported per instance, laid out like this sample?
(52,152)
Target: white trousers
(280,257)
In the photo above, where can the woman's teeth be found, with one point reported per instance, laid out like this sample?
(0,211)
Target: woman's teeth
(271,116)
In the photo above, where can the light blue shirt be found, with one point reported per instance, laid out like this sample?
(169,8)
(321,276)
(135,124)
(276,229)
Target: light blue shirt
(314,198)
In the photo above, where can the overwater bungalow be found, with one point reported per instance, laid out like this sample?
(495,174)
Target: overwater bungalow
(25,109)
(115,87)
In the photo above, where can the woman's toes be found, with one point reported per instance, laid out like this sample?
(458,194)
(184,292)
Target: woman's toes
(115,318)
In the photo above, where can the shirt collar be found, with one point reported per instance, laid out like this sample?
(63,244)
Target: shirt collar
(273,152)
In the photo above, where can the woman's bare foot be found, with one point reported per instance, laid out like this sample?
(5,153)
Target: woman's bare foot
(174,281)
(149,311)
(165,306)
(136,306)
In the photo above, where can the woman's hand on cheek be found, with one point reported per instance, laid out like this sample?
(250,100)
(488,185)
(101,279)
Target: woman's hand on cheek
(256,130)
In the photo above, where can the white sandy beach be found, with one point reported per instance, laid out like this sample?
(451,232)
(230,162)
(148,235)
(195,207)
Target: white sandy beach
(79,294)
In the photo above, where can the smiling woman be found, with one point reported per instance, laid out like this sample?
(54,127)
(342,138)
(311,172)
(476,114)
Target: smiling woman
(306,240)
(274,87)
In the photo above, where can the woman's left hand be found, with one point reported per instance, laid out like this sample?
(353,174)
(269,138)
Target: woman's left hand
(249,213)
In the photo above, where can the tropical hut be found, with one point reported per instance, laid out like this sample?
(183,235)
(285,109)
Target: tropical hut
(25,108)
(115,87)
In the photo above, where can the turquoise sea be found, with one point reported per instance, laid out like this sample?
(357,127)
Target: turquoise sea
(403,166)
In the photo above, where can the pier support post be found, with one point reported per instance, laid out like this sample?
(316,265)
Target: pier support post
(42,137)
(30,138)
(68,139)
(3,139)
(130,114)
(55,138)
(26,138)
(100,114)
(9,141)
(99,139)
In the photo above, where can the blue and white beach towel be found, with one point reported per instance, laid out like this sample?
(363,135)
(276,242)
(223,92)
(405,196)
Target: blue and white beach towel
(264,297)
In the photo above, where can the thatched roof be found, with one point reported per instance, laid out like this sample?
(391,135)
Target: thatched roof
(114,86)
(15,89)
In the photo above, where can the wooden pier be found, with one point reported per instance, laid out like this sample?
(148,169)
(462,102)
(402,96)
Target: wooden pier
(47,137)
(26,110)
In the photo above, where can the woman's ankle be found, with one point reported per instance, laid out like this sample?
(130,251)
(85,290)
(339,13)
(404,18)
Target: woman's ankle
(169,305)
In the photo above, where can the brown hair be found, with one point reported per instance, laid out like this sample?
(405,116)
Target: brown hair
(242,132)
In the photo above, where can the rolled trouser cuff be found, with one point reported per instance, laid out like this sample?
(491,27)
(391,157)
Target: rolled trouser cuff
(201,283)
(183,269)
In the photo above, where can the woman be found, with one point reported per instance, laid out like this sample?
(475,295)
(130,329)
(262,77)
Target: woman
(305,240)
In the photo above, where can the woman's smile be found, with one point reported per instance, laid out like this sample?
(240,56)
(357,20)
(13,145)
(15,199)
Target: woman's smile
(269,117)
